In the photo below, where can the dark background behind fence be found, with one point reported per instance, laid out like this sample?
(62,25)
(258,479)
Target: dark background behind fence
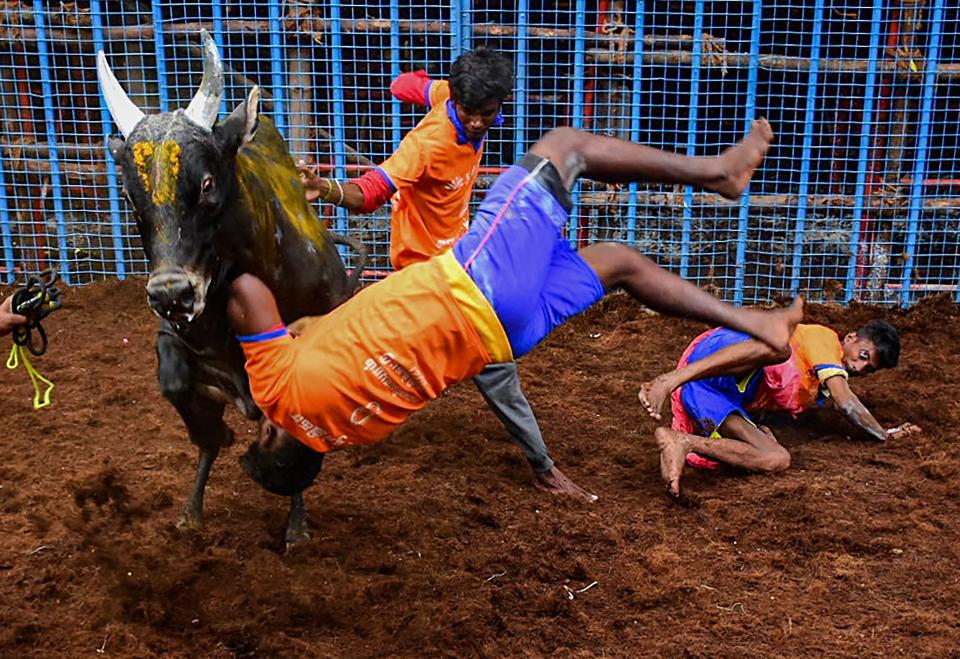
(858,199)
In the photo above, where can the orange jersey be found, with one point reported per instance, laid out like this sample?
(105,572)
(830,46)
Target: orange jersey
(432,173)
(798,383)
(358,372)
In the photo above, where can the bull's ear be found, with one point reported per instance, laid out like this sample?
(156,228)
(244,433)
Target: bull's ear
(115,144)
(241,125)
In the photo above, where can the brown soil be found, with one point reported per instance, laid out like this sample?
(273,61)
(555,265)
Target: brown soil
(436,542)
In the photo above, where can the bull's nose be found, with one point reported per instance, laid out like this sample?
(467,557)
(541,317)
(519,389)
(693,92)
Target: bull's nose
(171,296)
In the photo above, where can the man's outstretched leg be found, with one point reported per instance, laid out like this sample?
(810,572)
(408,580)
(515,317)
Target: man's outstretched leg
(751,447)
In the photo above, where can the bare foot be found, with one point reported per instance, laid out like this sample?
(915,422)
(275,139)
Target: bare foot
(555,481)
(742,159)
(673,451)
(653,394)
(775,327)
(310,179)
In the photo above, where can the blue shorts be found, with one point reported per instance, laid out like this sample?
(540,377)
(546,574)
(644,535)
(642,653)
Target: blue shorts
(515,253)
(710,401)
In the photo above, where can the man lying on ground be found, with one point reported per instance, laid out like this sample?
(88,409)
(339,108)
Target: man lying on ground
(430,178)
(357,373)
(724,374)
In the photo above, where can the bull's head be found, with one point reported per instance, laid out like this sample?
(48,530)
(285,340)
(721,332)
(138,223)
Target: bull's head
(177,169)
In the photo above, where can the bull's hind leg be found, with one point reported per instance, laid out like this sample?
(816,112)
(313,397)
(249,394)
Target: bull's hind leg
(202,416)
(297,528)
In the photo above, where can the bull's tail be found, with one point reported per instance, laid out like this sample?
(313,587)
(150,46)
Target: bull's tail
(359,263)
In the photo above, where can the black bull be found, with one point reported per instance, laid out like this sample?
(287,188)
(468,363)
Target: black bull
(211,203)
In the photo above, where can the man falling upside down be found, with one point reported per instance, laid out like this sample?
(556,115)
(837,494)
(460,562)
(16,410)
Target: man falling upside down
(724,374)
(354,375)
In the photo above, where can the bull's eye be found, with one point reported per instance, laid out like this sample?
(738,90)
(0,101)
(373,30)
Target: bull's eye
(207,186)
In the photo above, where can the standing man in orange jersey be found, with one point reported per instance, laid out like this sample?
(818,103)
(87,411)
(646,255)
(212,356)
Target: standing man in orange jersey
(430,179)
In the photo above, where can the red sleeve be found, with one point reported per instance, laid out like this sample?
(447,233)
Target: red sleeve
(412,87)
(376,189)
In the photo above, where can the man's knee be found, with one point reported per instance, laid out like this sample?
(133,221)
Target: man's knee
(776,460)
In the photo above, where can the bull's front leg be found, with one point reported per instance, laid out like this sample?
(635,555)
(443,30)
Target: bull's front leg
(202,416)
(297,528)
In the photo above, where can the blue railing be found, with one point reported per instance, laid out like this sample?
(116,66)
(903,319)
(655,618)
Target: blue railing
(858,199)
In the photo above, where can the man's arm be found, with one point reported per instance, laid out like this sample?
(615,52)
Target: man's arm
(848,403)
(737,360)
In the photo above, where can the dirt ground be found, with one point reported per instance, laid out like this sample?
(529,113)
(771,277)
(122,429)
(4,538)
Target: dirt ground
(435,542)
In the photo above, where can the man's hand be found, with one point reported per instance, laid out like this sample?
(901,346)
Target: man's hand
(310,179)
(8,319)
(904,429)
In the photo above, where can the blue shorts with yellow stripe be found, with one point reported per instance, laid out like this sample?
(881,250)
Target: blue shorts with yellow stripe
(516,254)
(710,401)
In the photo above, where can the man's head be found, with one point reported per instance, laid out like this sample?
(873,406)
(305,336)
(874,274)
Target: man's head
(480,80)
(874,346)
(279,463)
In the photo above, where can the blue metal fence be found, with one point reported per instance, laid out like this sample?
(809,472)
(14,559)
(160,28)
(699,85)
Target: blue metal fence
(857,200)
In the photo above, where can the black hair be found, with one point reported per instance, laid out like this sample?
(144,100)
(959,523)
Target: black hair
(287,470)
(884,337)
(480,75)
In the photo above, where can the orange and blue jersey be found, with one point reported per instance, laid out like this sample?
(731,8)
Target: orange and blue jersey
(797,384)
(355,374)
(358,372)
(432,175)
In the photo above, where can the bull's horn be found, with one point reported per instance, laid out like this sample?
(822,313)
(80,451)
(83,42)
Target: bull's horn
(124,112)
(205,106)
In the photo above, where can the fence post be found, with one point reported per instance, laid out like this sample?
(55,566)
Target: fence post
(106,121)
(809,113)
(635,116)
(5,231)
(51,128)
(217,8)
(692,136)
(277,66)
(395,135)
(743,221)
(161,56)
(339,148)
(579,47)
(520,93)
(923,137)
(865,137)
(456,30)
(466,28)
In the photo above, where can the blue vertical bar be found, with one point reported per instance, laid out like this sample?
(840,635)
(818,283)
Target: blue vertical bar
(579,53)
(395,71)
(635,116)
(277,66)
(743,221)
(217,9)
(161,56)
(50,118)
(339,148)
(692,135)
(520,93)
(116,223)
(864,153)
(456,32)
(809,113)
(923,138)
(6,235)
(466,26)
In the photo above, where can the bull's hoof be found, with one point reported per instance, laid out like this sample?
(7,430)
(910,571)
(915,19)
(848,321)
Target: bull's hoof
(297,534)
(189,521)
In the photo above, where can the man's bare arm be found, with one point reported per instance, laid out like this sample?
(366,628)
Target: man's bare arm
(847,402)
(738,359)
(346,195)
